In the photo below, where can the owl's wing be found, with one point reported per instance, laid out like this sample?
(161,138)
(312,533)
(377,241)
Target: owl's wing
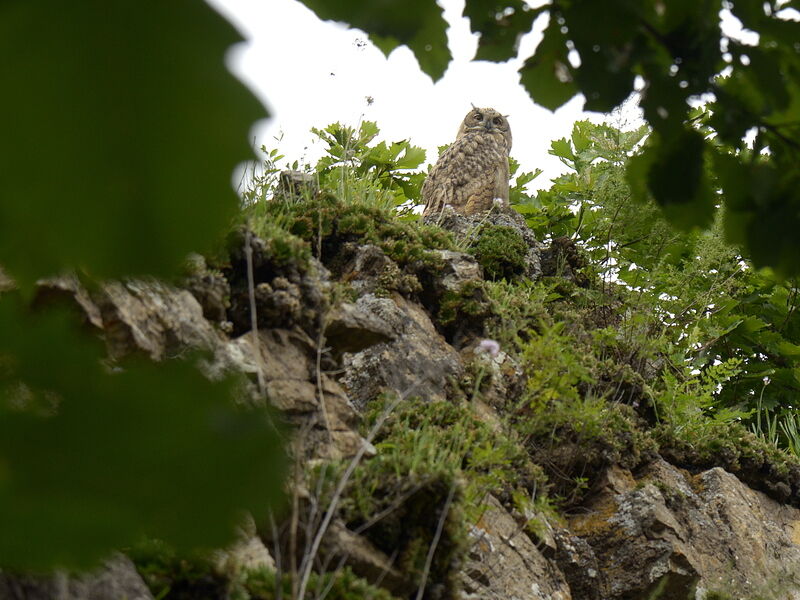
(436,190)
(465,176)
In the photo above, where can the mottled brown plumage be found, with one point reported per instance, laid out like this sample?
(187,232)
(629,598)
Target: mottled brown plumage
(472,174)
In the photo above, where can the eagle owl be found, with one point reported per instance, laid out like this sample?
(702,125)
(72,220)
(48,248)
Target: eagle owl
(473,171)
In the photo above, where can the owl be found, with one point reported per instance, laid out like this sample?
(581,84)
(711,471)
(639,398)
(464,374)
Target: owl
(473,171)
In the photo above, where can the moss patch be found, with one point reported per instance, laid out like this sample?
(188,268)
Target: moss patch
(325,223)
(501,251)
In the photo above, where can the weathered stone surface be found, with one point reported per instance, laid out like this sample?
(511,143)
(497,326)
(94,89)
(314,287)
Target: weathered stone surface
(417,361)
(352,327)
(674,532)
(459,268)
(296,185)
(247,553)
(116,580)
(287,360)
(504,563)
(367,561)
(501,376)
(368,271)
(467,228)
(152,317)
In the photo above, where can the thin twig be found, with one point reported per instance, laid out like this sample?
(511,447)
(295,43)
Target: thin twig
(248,253)
(308,560)
(276,544)
(320,390)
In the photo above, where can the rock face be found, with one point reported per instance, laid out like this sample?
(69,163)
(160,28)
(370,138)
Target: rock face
(468,228)
(658,532)
(416,361)
(116,579)
(676,533)
(505,563)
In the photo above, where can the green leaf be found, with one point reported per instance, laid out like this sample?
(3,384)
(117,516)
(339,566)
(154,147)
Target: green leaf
(418,24)
(547,75)
(126,127)
(562,149)
(677,180)
(501,24)
(90,460)
(412,157)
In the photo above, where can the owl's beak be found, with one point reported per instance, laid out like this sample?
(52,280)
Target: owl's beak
(488,125)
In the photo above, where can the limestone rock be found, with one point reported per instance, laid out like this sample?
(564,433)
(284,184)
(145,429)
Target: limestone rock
(352,327)
(248,553)
(367,561)
(459,268)
(296,185)
(152,317)
(369,271)
(117,579)
(504,563)
(467,228)
(677,533)
(416,361)
(287,360)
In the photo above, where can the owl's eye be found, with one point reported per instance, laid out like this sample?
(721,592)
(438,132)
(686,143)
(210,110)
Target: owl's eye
(478,117)
(498,120)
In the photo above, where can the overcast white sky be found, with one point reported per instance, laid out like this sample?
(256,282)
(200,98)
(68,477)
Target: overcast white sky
(311,73)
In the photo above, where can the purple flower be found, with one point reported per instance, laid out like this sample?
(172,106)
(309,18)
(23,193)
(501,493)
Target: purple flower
(490,346)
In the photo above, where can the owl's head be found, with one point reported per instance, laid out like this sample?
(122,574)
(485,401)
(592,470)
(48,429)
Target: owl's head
(486,120)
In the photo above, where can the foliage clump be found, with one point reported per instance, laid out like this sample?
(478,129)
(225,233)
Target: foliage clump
(188,577)
(501,252)
(326,224)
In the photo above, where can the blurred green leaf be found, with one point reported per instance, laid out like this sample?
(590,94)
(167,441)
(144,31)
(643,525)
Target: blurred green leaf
(501,24)
(418,24)
(547,75)
(90,460)
(122,125)
(676,178)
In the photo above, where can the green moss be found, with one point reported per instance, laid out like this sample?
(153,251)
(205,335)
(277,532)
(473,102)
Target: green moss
(501,251)
(707,443)
(325,223)
(427,451)
(468,304)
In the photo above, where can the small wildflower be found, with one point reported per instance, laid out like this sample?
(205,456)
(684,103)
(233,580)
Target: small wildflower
(489,346)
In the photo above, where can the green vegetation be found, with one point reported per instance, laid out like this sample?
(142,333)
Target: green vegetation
(684,340)
(188,577)
(679,52)
(501,251)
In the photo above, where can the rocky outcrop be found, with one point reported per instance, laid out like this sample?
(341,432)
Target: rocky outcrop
(504,562)
(669,531)
(318,356)
(417,361)
(467,230)
(117,578)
